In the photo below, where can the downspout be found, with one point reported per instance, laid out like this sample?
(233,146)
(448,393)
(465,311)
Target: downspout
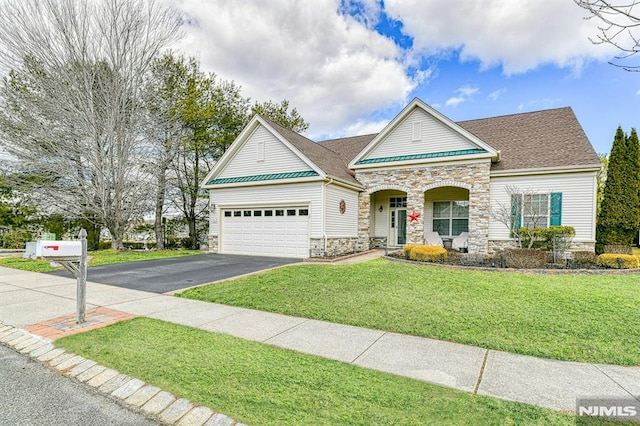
(324,215)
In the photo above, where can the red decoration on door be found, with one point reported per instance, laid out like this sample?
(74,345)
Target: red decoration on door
(414,216)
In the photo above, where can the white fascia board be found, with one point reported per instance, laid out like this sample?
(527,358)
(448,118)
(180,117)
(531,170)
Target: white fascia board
(231,151)
(545,171)
(292,148)
(417,103)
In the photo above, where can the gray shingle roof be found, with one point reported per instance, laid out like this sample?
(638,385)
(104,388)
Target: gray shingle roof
(327,160)
(531,140)
(549,138)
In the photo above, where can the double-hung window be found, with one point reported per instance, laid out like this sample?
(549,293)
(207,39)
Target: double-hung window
(450,217)
(536,210)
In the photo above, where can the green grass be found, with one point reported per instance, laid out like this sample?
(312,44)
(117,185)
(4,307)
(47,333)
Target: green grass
(569,317)
(260,384)
(100,257)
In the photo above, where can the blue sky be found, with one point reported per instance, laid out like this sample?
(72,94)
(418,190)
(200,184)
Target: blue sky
(349,66)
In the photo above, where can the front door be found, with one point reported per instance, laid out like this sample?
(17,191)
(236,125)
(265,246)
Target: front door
(398,227)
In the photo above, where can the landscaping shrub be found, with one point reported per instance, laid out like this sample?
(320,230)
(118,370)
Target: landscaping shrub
(544,237)
(425,253)
(525,258)
(15,239)
(616,260)
(585,257)
(618,249)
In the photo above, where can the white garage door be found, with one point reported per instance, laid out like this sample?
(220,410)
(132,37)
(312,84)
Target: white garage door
(278,231)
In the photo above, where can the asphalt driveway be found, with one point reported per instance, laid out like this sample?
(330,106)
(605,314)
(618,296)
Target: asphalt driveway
(164,275)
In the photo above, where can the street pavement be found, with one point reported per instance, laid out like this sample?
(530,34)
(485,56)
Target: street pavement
(28,298)
(165,275)
(31,394)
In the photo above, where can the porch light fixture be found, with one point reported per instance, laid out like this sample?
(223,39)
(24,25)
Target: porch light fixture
(381,208)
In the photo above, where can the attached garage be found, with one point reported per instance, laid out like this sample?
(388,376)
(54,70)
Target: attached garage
(266,231)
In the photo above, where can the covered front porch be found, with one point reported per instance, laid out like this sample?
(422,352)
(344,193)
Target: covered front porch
(400,215)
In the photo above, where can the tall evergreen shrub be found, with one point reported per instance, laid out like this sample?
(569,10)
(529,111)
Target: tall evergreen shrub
(619,216)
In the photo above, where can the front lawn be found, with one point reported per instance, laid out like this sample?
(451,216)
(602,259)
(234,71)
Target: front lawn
(569,317)
(263,385)
(99,257)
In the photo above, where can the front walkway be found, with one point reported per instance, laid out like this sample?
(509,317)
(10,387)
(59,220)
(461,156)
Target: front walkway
(28,298)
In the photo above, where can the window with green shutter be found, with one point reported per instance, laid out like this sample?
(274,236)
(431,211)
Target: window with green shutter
(555,210)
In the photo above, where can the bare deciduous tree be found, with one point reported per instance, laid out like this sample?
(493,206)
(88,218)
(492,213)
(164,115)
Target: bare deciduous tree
(620,26)
(72,108)
(521,216)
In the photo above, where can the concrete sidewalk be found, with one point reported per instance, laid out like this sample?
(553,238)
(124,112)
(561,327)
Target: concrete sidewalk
(28,298)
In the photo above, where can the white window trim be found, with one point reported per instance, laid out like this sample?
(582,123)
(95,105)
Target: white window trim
(260,151)
(416,131)
(450,218)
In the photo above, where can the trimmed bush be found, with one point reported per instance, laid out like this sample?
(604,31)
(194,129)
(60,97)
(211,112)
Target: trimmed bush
(544,237)
(525,258)
(620,249)
(618,261)
(424,253)
(585,257)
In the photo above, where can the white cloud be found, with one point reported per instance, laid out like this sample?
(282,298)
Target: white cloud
(638,92)
(493,96)
(464,94)
(331,67)
(539,104)
(518,35)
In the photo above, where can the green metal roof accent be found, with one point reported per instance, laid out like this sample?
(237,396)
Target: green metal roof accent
(422,156)
(255,178)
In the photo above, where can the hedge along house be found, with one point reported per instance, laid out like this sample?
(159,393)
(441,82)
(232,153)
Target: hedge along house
(276,193)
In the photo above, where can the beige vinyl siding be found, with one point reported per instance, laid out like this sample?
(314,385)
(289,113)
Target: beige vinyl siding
(277,157)
(446,193)
(434,137)
(578,200)
(338,224)
(298,194)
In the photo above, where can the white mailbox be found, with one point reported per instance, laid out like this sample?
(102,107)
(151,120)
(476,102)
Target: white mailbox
(59,249)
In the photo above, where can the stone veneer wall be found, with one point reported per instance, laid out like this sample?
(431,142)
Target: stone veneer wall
(415,182)
(335,247)
(213,243)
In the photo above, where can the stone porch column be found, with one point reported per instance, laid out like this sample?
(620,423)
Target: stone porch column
(364,221)
(415,229)
(479,216)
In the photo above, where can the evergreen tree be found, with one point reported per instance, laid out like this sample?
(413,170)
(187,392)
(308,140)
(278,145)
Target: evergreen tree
(619,217)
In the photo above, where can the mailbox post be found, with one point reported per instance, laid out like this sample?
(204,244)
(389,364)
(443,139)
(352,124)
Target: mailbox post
(73,256)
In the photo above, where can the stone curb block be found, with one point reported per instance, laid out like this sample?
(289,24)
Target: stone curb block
(176,410)
(196,417)
(133,392)
(220,420)
(41,351)
(32,348)
(81,368)
(70,363)
(142,395)
(102,378)
(158,403)
(90,373)
(128,389)
(61,358)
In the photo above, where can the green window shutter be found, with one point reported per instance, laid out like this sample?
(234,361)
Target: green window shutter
(516,211)
(555,211)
